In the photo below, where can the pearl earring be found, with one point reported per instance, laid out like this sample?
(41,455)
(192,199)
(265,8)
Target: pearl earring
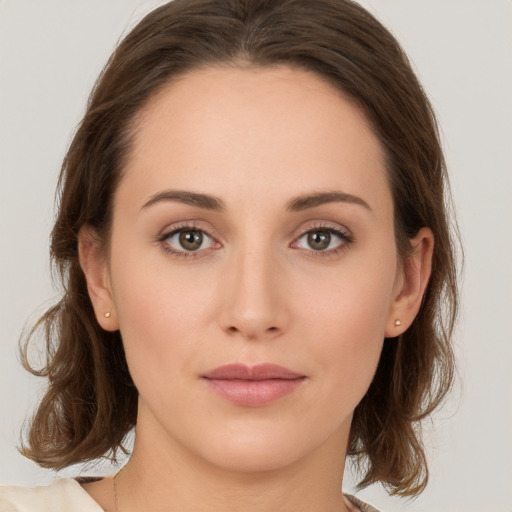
(398,323)
(107,314)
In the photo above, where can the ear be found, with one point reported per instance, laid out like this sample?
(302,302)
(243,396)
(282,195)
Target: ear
(411,284)
(94,265)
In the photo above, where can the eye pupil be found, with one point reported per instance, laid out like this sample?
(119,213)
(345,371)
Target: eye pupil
(191,240)
(319,240)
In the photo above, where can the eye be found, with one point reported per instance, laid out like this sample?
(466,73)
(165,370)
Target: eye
(187,240)
(322,240)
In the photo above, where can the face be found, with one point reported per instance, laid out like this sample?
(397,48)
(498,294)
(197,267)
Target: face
(253,227)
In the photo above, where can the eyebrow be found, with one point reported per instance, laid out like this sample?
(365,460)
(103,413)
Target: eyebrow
(213,203)
(191,198)
(312,200)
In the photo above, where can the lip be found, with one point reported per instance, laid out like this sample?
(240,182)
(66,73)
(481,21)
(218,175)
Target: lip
(253,386)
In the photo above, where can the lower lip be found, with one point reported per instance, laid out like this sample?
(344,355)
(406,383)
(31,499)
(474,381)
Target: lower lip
(254,393)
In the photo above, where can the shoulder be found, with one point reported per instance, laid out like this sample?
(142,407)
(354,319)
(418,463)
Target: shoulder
(62,495)
(361,505)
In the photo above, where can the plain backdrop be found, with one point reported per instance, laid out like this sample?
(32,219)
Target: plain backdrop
(50,54)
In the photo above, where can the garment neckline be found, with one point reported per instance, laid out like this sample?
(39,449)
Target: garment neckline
(78,481)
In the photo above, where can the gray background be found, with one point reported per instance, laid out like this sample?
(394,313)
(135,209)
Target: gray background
(50,54)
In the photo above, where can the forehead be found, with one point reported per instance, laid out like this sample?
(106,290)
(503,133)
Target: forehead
(226,130)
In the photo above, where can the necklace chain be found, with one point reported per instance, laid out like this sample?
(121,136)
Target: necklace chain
(115,490)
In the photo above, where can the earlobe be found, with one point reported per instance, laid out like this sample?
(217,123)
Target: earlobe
(94,266)
(413,282)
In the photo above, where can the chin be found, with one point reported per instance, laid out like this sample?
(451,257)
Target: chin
(254,456)
(257,447)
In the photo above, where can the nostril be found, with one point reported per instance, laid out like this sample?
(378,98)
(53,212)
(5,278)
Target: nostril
(249,333)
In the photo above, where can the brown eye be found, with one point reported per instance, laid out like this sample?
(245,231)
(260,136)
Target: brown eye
(323,240)
(319,240)
(187,240)
(191,240)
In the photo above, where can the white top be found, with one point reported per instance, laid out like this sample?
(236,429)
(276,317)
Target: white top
(63,495)
(67,495)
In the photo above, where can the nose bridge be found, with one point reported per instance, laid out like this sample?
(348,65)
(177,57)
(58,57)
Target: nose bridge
(252,306)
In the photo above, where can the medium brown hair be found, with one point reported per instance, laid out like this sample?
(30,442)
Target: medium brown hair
(91,401)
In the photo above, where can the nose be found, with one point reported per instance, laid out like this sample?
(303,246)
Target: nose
(254,305)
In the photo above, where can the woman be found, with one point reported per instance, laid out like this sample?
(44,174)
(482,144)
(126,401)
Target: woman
(255,248)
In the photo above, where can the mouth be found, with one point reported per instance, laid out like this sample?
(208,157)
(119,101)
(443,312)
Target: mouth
(253,386)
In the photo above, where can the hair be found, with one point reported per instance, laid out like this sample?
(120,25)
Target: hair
(91,402)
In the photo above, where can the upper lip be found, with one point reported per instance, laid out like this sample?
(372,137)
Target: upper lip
(265,371)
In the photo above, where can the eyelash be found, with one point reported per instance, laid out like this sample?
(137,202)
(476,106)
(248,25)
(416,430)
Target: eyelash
(177,229)
(346,239)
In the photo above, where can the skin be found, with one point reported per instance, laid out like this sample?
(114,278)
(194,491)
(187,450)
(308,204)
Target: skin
(254,292)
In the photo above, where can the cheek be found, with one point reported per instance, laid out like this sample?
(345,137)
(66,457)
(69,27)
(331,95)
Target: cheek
(354,301)
(158,314)
(347,321)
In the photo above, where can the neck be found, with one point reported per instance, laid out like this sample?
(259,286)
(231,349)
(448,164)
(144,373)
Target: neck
(169,478)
